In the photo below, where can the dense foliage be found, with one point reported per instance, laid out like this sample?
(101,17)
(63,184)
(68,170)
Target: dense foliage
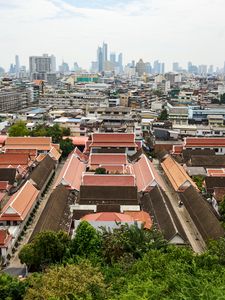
(163,115)
(56,132)
(125,263)
(19,129)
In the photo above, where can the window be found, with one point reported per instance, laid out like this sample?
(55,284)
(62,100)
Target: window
(131,148)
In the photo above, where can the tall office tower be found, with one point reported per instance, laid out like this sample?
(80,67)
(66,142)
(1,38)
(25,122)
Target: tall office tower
(202,70)
(17,65)
(39,66)
(224,68)
(189,67)
(211,70)
(148,68)
(53,64)
(140,67)
(176,67)
(100,59)
(64,68)
(113,57)
(162,68)
(105,52)
(120,62)
(156,67)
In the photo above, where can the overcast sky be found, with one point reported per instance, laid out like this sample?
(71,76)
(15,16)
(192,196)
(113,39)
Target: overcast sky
(168,30)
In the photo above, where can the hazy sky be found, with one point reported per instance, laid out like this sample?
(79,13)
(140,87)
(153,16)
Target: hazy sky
(168,30)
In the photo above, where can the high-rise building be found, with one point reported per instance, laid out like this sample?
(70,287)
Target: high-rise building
(39,66)
(156,67)
(202,70)
(53,64)
(162,68)
(140,67)
(64,68)
(17,65)
(211,70)
(120,62)
(113,57)
(148,67)
(105,52)
(100,59)
(176,67)
(189,67)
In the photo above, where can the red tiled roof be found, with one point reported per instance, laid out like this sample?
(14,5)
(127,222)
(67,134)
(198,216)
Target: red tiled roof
(108,159)
(20,204)
(146,174)
(14,159)
(108,217)
(71,173)
(141,216)
(108,180)
(113,140)
(37,143)
(113,137)
(204,142)
(78,140)
(5,237)
(216,172)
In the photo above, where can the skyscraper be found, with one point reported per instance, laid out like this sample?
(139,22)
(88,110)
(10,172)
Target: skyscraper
(120,62)
(105,52)
(100,59)
(140,67)
(113,57)
(176,67)
(17,65)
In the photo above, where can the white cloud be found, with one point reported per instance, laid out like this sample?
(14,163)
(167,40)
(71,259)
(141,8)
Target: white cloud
(170,30)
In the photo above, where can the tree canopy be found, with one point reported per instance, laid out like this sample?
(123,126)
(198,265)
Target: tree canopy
(19,129)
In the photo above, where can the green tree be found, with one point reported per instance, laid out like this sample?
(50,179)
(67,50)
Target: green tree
(47,248)
(66,146)
(164,115)
(55,132)
(19,129)
(76,282)
(129,240)
(66,131)
(87,241)
(100,171)
(11,288)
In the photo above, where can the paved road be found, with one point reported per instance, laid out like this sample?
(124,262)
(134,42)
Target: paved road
(15,268)
(196,241)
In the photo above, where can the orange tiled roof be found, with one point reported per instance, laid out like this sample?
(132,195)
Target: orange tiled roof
(108,159)
(204,142)
(176,174)
(71,173)
(146,174)
(35,143)
(215,172)
(54,154)
(113,140)
(141,216)
(20,204)
(108,217)
(14,159)
(108,180)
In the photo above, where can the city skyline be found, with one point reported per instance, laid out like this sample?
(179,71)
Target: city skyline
(179,31)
